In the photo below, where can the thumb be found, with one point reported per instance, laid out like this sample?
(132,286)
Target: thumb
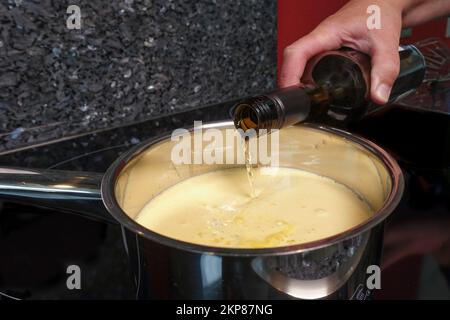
(385,69)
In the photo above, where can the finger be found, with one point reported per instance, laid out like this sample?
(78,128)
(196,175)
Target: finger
(297,54)
(385,69)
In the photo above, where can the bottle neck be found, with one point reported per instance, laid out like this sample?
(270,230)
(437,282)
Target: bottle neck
(320,99)
(292,105)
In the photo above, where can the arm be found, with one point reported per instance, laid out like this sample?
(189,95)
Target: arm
(424,11)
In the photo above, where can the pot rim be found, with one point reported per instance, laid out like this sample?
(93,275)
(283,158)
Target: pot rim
(390,203)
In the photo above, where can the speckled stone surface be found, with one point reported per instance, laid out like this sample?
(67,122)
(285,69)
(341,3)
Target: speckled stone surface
(131,60)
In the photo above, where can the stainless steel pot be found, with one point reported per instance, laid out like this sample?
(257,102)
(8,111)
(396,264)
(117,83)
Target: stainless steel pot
(335,267)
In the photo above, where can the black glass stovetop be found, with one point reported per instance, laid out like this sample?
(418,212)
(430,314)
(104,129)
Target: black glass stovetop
(37,245)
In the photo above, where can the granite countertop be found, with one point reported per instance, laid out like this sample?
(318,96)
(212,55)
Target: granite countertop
(131,60)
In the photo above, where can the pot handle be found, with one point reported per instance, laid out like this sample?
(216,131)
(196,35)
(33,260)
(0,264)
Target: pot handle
(68,191)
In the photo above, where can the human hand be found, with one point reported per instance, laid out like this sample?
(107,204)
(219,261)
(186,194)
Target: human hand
(348,27)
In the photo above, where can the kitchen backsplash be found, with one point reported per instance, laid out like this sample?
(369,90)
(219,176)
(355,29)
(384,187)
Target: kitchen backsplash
(130,60)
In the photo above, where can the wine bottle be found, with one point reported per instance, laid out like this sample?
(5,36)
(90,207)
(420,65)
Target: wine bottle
(334,89)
